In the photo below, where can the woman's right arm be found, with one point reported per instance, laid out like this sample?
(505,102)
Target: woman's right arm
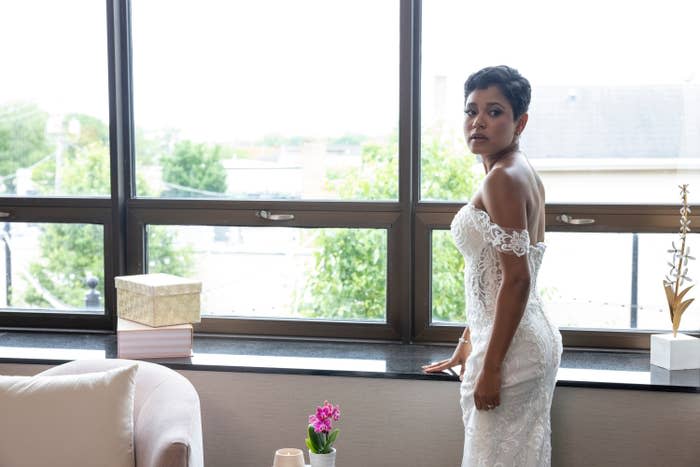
(459,357)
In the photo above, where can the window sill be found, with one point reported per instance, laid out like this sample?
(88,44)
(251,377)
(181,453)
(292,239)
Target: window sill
(579,367)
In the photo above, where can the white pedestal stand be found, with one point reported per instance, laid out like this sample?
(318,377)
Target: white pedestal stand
(679,353)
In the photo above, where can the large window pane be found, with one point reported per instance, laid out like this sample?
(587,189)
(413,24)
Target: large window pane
(266,99)
(632,132)
(331,273)
(592,280)
(653,266)
(53,98)
(587,280)
(447,280)
(52,267)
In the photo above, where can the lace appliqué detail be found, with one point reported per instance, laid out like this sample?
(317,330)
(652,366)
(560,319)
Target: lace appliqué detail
(505,240)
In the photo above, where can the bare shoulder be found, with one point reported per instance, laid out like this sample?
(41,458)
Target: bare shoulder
(504,184)
(504,194)
(540,185)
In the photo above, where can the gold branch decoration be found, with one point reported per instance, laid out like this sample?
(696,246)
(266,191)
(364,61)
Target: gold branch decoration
(678,274)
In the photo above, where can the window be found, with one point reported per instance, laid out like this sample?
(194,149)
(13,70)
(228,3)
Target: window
(599,132)
(281,131)
(38,275)
(53,99)
(270,99)
(55,179)
(611,142)
(278,272)
(305,159)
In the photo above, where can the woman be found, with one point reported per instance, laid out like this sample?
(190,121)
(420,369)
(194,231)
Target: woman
(510,351)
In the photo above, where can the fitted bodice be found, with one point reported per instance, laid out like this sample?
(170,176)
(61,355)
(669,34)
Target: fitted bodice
(480,240)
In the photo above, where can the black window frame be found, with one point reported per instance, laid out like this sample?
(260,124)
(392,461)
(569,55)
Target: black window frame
(408,221)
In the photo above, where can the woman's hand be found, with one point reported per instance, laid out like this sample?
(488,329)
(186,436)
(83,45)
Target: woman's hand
(459,357)
(487,393)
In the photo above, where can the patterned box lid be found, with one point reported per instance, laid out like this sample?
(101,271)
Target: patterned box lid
(157,284)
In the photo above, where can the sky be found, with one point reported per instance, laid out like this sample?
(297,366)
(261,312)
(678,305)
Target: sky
(54,54)
(232,70)
(570,43)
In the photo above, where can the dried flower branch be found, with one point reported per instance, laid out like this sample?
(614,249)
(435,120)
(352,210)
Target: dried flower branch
(678,273)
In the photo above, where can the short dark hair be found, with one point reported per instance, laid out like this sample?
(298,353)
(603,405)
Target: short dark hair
(510,82)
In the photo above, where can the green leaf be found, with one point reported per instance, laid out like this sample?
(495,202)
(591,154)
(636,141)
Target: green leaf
(332,436)
(310,446)
(315,439)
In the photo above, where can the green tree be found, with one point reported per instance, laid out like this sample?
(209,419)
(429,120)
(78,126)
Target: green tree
(71,253)
(149,146)
(84,160)
(447,175)
(164,257)
(349,277)
(194,170)
(277,140)
(23,140)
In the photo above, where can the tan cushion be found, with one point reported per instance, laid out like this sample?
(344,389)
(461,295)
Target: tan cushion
(68,420)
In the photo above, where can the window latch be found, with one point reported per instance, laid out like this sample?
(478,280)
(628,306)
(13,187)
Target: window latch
(567,219)
(274,217)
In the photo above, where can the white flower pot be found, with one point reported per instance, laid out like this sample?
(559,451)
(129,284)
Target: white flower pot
(322,460)
(675,353)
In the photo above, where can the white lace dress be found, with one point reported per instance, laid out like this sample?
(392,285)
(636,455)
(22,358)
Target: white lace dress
(516,433)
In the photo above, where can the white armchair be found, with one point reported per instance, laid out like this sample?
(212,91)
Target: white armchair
(167,416)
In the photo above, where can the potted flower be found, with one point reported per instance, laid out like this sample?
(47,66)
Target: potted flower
(322,435)
(676,351)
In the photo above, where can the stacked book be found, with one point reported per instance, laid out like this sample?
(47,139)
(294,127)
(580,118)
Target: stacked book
(156,312)
(136,340)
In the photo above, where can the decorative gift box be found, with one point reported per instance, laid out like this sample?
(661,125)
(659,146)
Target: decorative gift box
(137,340)
(158,299)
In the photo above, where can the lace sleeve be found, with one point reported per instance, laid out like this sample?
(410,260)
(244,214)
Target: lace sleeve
(512,241)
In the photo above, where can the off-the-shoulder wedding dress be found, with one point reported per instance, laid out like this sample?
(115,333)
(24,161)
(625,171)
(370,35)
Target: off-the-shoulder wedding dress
(517,432)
